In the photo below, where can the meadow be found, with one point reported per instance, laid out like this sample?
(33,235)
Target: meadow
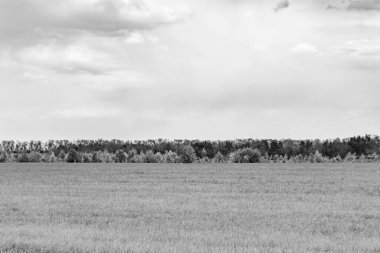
(190,208)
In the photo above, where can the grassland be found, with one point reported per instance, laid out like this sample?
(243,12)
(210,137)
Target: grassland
(190,208)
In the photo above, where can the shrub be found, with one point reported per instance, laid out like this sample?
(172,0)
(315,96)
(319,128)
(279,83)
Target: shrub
(350,157)
(95,158)
(188,154)
(171,157)
(134,157)
(317,157)
(86,157)
(150,157)
(373,158)
(48,158)
(12,157)
(336,159)
(299,159)
(61,155)
(247,155)
(73,157)
(103,157)
(203,160)
(362,158)
(141,158)
(265,159)
(203,153)
(34,157)
(285,159)
(120,156)
(159,157)
(23,158)
(277,158)
(3,157)
(219,158)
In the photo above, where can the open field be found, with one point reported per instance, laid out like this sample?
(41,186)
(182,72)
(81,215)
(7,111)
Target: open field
(190,208)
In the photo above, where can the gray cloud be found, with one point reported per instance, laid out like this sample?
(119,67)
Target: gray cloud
(364,5)
(283,4)
(360,5)
(26,19)
(366,48)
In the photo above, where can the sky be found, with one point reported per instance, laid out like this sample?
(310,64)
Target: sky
(189,69)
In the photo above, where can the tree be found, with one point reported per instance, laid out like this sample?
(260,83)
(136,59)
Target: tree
(23,158)
(120,156)
(273,150)
(317,157)
(3,157)
(350,157)
(61,155)
(219,158)
(73,157)
(171,157)
(247,155)
(150,157)
(34,157)
(85,157)
(48,158)
(188,154)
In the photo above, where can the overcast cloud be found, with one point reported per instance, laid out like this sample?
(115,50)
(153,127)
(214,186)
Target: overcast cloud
(134,69)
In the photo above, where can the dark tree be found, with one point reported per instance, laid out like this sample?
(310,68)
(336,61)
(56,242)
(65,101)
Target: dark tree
(73,157)
(188,154)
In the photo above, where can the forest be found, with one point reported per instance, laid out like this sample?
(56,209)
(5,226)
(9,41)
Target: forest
(354,149)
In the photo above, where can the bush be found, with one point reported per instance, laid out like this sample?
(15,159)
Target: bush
(103,157)
(3,157)
(86,157)
(350,157)
(336,159)
(134,157)
(159,157)
(62,155)
(188,154)
(362,158)
(23,158)
(73,157)
(317,157)
(171,157)
(219,158)
(247,155)
(373,158)
(34,157)
(150,157)
(204,160)
(120,156)
(48,158)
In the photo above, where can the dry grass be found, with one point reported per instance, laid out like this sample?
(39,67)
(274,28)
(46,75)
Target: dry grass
(190,208)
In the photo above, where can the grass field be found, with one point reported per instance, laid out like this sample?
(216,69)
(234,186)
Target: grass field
(190,208)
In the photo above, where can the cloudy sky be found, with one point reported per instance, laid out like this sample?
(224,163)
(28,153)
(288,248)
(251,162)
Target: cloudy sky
(215,69)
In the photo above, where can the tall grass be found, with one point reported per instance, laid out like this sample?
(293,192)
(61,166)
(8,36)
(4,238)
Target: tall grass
(190,208)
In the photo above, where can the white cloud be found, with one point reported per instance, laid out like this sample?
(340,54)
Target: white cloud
(135,38)
(80,113)
(72,58)
(354,5)
(364,47)
(304,48)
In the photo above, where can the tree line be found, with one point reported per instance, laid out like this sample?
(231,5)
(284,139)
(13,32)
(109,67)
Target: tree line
(358,148)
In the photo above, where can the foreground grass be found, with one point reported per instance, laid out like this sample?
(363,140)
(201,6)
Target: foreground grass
(190,208)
